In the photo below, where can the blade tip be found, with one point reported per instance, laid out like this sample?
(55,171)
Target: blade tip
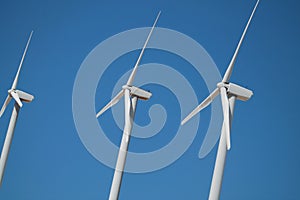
(2,111)
(228,144)
(184,121)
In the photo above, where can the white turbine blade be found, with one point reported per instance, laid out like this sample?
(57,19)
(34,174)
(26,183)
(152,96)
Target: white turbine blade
(225,106)
(6,102)
(201,106)
(14,85)
(231,64)
(128,115)
(127,101)
(115,100)
(132,75)
(16,98)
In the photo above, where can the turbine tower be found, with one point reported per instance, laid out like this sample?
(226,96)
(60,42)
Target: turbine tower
(19,96)
(131,95)
(229,92)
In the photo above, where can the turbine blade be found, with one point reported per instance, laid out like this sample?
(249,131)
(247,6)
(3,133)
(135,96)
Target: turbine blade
(6,102)
(115,100)
(231,64)
(127,115)
(201,106)
(225,106)
(16,98)
(132,75)
(14,85)
(127,101)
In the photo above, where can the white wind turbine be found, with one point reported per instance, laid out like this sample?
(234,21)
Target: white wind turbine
(19,96)
(131,95)
(229,93)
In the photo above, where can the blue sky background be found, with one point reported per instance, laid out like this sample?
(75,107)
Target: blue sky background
(48,160)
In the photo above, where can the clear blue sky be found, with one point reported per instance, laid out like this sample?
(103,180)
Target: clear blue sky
(47,159)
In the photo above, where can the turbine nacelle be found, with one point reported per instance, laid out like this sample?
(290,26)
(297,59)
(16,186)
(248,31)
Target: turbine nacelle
(23,96)
(138,92)
(134,91)
(239,92)
(19,96)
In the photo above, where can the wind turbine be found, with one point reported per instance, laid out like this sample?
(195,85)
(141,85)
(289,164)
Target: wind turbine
(131,95)
(229,92)
(19,96)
